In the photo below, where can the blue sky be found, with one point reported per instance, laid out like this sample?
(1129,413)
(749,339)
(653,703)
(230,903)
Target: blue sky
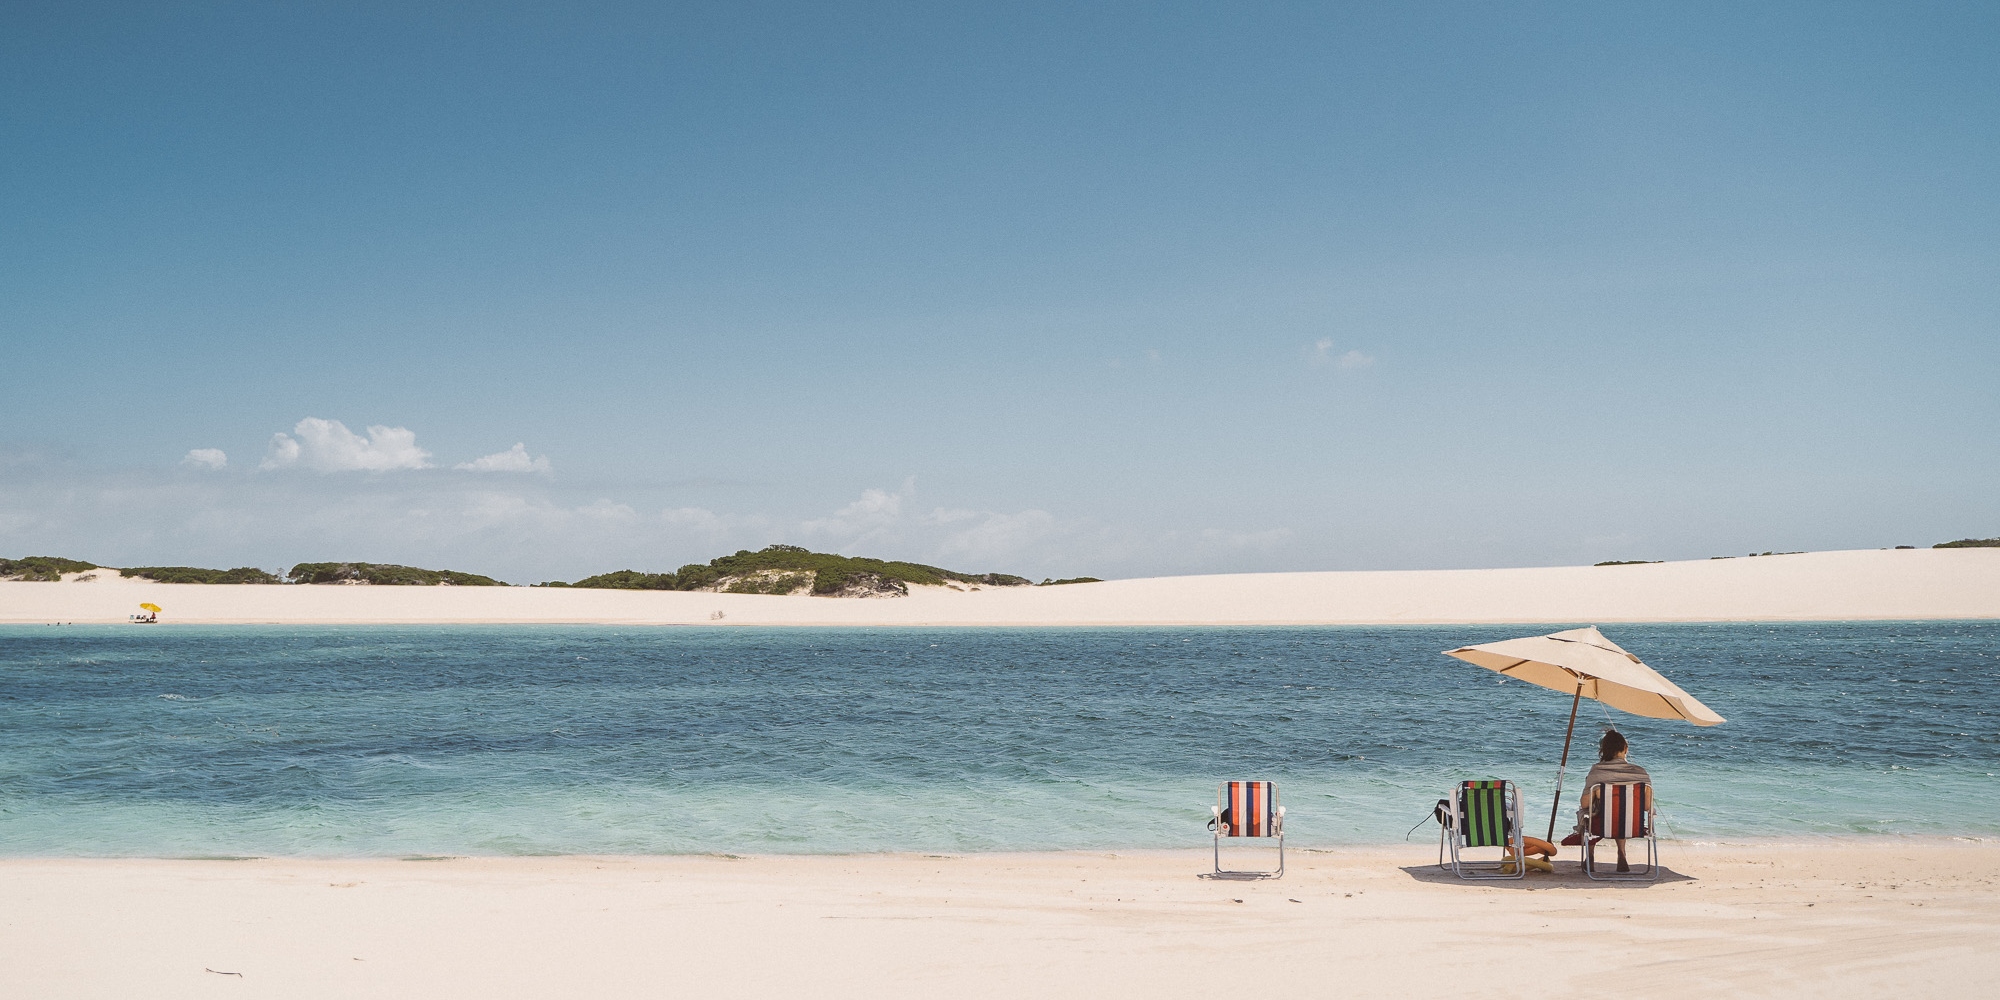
(1114,289)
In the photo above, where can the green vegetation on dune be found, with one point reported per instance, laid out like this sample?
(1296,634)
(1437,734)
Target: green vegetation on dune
(770,582)
(785,569)
(387,575)
(1629,562)
(41,569)
(625,579)
(196,574)
(52,568)
(833,574)
(1970,543)
(775,569)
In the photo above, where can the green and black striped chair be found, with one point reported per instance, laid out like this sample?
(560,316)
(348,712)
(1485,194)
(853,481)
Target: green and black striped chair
(1482,814)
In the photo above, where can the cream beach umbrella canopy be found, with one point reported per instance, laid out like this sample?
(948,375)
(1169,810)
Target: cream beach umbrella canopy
(1584,664)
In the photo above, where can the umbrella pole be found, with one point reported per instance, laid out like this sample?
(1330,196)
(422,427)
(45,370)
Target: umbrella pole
(1556,806)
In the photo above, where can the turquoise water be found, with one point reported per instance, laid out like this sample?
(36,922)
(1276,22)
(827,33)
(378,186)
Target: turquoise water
(385,741)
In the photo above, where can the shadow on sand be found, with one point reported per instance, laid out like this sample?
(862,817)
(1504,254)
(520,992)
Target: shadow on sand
(1568,875)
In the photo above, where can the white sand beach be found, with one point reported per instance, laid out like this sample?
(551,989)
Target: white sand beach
(1815,586)
(1832,918)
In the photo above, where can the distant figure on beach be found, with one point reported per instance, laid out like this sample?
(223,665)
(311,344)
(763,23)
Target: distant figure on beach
(1611,768)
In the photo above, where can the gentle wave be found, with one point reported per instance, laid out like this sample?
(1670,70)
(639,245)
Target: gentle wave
(388,741)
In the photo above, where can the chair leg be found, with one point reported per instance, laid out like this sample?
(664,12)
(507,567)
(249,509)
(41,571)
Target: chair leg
(1279,872)
(1652,857)
(1652,872)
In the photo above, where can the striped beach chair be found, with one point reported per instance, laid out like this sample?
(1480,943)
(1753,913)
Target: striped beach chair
(1248,809)
(1616,812)
(1483,814)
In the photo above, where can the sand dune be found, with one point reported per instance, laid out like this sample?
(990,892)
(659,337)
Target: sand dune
(1814,586)
(1835,919)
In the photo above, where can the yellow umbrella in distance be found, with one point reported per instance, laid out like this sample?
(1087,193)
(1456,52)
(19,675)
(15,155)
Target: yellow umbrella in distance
(154,608)
(1586,664)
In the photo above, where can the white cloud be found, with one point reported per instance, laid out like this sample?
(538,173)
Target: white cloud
(282,452)
(603,510)
(514,459)
(1319,354)
(988,538)
(495,509)
(1224,539)
(698,518)
(531,528)
(205,458)
(328,446)
(871,517)
(874,505)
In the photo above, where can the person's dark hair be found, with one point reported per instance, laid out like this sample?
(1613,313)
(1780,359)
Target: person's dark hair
(1610,745)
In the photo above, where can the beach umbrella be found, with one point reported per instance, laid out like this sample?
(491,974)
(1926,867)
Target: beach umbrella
(154,608)
(1584,664)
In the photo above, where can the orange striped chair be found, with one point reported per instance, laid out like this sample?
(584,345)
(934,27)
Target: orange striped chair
(1619,812)
(1248,809)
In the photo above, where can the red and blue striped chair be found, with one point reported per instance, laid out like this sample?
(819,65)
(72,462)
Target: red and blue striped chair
(1248,809)
(1619,812)
(1483,814)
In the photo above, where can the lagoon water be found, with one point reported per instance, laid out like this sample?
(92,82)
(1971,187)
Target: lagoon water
(185,741)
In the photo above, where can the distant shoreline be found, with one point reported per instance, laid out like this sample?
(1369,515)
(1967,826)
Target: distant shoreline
(1858,585)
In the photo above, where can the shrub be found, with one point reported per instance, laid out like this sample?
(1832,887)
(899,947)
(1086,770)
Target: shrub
(195,574)
(770,583)
(858,584)
(1970,543)
(624,579)
(387,575)
(41,569)
(829,574)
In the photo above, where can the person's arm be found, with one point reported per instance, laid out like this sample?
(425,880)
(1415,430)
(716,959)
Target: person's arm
(1583,795)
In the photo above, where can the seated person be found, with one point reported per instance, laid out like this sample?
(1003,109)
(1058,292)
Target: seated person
(1611,769)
